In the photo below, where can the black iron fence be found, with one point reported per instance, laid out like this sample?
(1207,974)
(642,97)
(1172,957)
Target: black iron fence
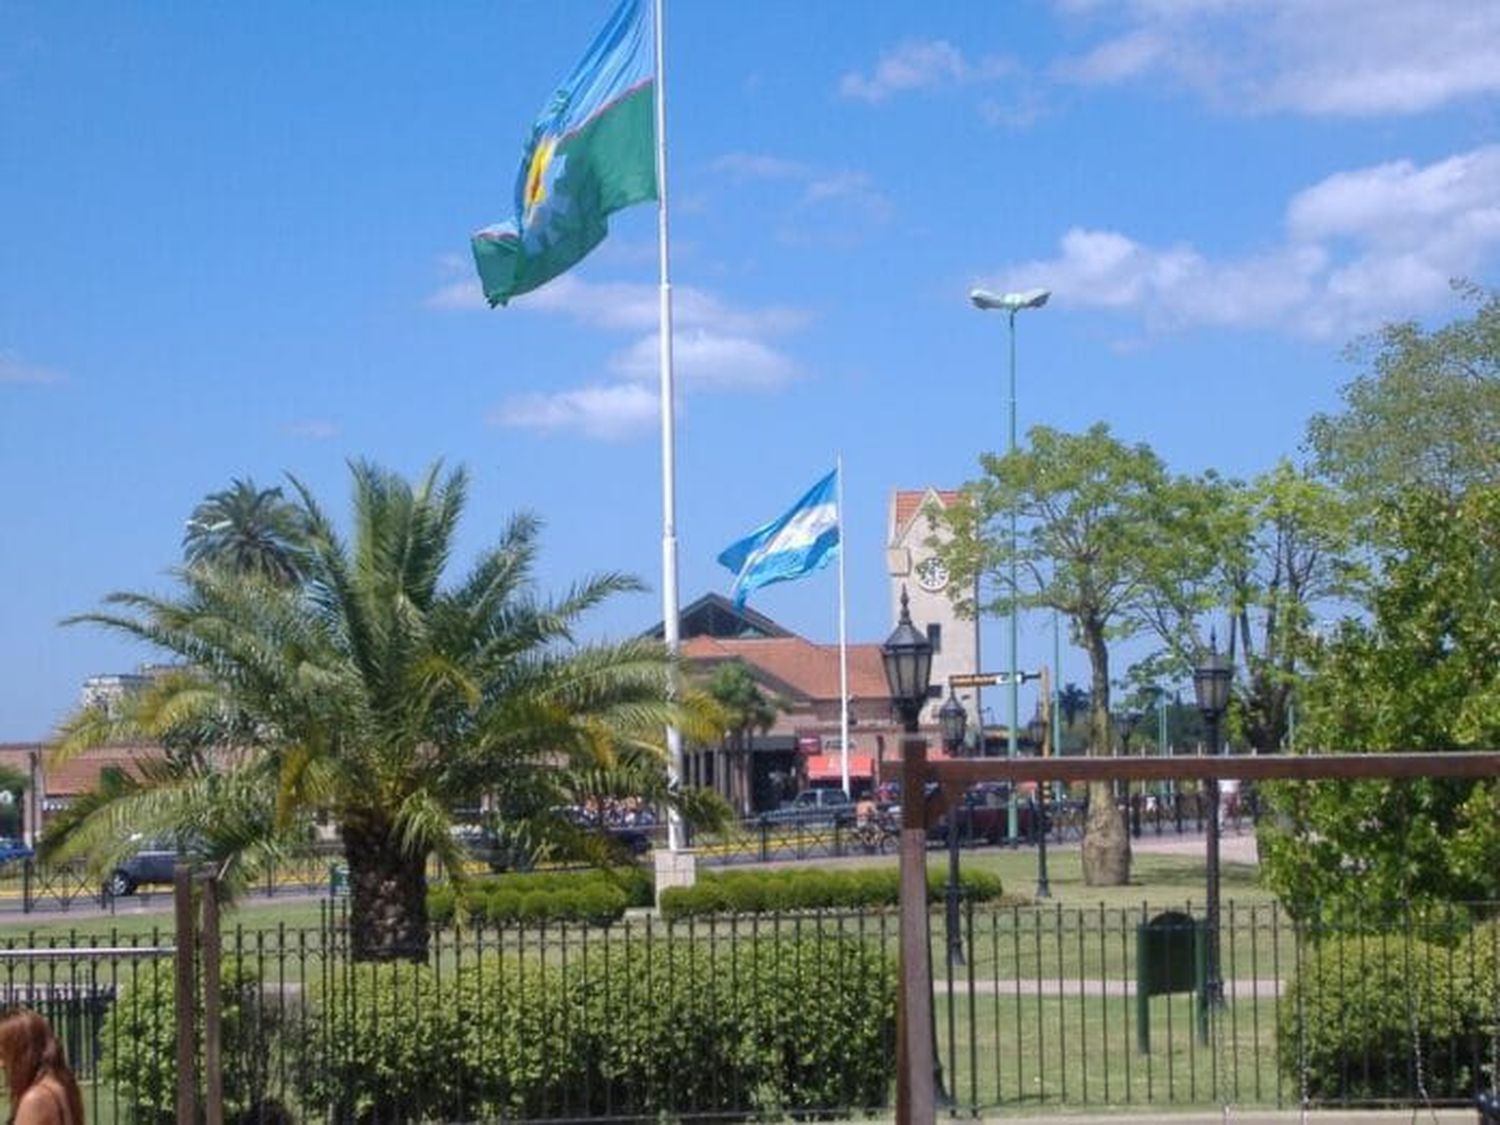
(1051,1008)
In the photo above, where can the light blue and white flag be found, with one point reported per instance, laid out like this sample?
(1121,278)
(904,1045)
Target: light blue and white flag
(796,544)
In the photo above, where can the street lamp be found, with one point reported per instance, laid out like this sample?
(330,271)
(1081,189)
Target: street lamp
(952,719)
(1037,728)
(1010,304)
(907,656)
(1211,679)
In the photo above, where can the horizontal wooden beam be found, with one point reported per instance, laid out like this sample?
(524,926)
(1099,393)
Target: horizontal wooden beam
(1261,767)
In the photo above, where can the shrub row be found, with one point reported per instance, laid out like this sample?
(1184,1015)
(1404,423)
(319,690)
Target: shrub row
(595,897)
(140,1037)
(1375,1004)
(651,1028)
(758,892)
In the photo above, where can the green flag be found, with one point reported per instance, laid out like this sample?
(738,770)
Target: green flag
(591,152)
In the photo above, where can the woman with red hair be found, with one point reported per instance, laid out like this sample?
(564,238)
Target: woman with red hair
(43,1090)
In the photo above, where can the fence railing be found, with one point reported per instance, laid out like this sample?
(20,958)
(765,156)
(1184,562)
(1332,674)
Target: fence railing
(563,1021)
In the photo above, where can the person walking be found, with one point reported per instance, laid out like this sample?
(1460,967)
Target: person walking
(43,1090)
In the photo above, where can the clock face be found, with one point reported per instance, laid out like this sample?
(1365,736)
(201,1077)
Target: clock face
(932,575)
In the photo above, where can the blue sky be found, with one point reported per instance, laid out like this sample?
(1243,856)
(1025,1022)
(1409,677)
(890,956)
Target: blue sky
(233,242)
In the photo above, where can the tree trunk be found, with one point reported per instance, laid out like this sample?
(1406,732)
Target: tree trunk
(1106,844)
(387,894)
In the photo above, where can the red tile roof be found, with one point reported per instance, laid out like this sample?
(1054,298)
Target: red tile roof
(908,503)
(807,670)
(80,774)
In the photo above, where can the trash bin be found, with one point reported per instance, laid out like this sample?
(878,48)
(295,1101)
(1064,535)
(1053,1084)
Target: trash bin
(338,880)
(1171,955)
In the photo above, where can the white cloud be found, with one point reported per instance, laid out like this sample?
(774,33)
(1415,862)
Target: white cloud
(1359,247)
(716,348)
(1329,58)
(609,412)
(13,369)
(920,64)
(706,360)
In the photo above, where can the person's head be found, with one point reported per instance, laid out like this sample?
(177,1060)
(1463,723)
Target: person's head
(29,1051)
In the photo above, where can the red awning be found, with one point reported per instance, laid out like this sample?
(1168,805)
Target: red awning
(827,767)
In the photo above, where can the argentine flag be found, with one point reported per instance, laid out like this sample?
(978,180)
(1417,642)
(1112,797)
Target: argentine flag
(796,544)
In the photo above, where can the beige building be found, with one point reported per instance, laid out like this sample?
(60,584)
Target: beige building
(913,566)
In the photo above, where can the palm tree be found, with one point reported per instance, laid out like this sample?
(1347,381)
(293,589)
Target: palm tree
(1072,700)
(746,709)
(376,693)
(254,530)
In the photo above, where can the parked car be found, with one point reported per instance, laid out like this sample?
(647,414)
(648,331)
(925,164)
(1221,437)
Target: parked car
(814,806)
(13,850)
(151,863)
(634,836)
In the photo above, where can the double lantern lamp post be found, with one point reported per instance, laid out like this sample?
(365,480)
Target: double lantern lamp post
(953,719)
(1211,683)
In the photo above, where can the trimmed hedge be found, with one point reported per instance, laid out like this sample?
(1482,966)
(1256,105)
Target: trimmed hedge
(140,1040)
(640,1030)
(595,897)
(795,888)
(1363,997)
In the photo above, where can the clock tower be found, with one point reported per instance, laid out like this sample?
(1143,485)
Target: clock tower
(911,563)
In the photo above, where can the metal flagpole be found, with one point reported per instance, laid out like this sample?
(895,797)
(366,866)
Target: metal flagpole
(671,625)
(843,642)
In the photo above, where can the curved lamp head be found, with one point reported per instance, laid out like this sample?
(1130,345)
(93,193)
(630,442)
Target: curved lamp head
(1009,302)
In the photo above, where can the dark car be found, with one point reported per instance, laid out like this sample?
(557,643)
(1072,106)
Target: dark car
(152,863)
(635,836)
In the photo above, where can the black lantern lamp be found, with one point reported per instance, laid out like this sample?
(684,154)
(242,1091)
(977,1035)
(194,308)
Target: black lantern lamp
(953,719)
(1211,681)
(908,667)
(1037,730)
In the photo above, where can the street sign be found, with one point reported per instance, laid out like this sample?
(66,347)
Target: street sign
(988,679)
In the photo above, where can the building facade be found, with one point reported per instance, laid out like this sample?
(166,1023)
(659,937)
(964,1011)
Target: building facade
(912,566)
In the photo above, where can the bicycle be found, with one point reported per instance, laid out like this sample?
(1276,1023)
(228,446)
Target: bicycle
(877,834)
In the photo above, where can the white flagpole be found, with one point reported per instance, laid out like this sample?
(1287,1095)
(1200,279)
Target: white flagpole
(843,643)
(671,625)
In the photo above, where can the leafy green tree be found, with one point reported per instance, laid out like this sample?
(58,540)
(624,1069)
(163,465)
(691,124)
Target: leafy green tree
(377,692)
(1426,415)
(1297,554)
(248,529)
(1107,538)
(1423,673)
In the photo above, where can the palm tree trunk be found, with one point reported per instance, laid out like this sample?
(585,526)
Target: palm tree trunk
(387,894)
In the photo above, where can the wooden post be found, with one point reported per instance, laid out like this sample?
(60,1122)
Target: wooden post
(186,979)
(916,1102)
(213,1002)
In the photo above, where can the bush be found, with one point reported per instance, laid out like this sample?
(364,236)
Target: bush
(1361,999)
(597,897)
(762,892)
(140,1043)
(628,1029)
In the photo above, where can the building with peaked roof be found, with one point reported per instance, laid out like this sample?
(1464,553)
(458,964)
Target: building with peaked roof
(914,568)
(50,788)
(714,615)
